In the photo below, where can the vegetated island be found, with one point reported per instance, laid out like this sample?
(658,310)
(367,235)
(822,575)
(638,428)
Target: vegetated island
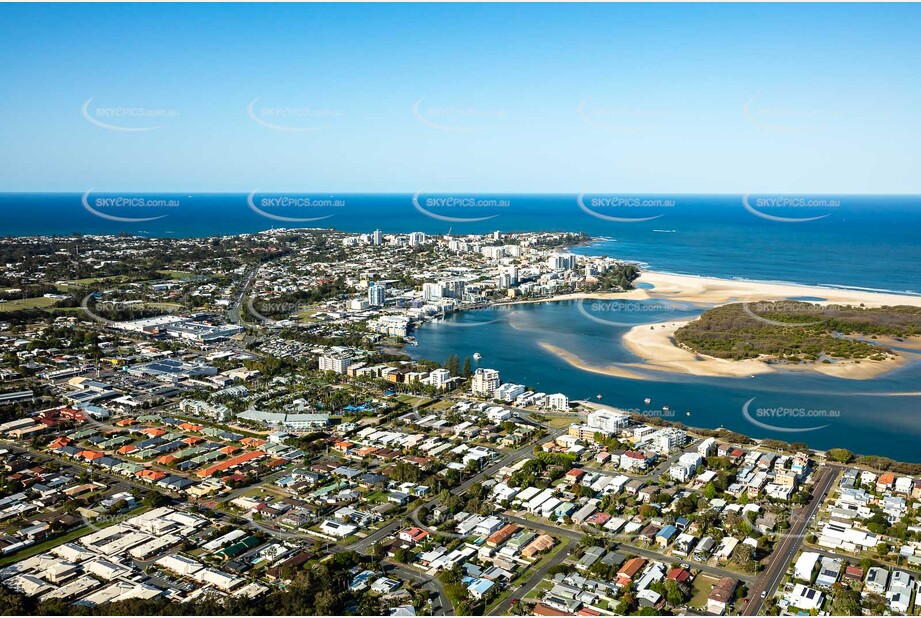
(790,332)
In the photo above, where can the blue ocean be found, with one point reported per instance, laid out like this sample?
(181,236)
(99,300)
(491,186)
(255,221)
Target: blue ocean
(864,242)
(859,241)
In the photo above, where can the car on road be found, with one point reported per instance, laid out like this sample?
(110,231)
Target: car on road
(763,593)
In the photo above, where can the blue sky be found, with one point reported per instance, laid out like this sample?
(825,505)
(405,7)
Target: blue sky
(690,98)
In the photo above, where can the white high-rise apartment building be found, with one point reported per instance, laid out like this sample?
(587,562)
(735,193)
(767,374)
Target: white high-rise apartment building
(485,381)
(377,295)
(607,421)
(335,362)
(558,401)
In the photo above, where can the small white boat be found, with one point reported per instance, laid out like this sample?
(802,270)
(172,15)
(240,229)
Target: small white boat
(665,408)
(647,401)
(598,396)
(477,356)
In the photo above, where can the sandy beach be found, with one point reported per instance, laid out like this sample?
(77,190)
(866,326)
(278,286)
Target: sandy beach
(715,291)
(654,343)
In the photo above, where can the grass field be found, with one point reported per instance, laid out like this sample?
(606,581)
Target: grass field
(701,590)
(26,303)
(176,274)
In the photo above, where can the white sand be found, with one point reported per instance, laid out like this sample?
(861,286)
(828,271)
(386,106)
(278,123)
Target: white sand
(721,291)
(655,343)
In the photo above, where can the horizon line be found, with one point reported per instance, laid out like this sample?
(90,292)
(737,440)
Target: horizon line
(467,192)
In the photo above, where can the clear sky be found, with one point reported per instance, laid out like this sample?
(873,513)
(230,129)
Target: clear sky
(691,98)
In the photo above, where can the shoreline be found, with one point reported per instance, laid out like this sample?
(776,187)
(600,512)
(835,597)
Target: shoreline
(654,345)
(693,288)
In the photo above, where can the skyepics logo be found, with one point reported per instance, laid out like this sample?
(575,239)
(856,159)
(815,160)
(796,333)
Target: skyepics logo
(295,119)
(784,418)
(125,204)
(91,304)
(459,119)
(291,311)
(783,118)
(106,519)
(798,312)
(664,412)
(126,118)
(449,207)
(789,204)
(628,208)
(626,314)
(271,206)
(474,318)
(617,119)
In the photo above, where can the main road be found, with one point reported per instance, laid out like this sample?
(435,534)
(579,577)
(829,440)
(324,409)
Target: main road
(536,578)
(790,543)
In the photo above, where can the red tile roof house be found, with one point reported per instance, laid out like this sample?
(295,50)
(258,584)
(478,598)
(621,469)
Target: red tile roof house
(501,536)
(682,576)
(631,567)
(721,596)
(413,535)
(229,463)
(853,573)
(151,475)
(598,519)
(574,475)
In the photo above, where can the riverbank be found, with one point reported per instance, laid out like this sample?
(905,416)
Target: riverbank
(655,343)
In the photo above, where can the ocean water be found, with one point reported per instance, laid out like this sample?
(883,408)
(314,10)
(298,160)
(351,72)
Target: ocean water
(862,242)
(881,416)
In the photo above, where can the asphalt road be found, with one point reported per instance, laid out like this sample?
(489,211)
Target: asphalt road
(536,578)
(788,546)
(441,606)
